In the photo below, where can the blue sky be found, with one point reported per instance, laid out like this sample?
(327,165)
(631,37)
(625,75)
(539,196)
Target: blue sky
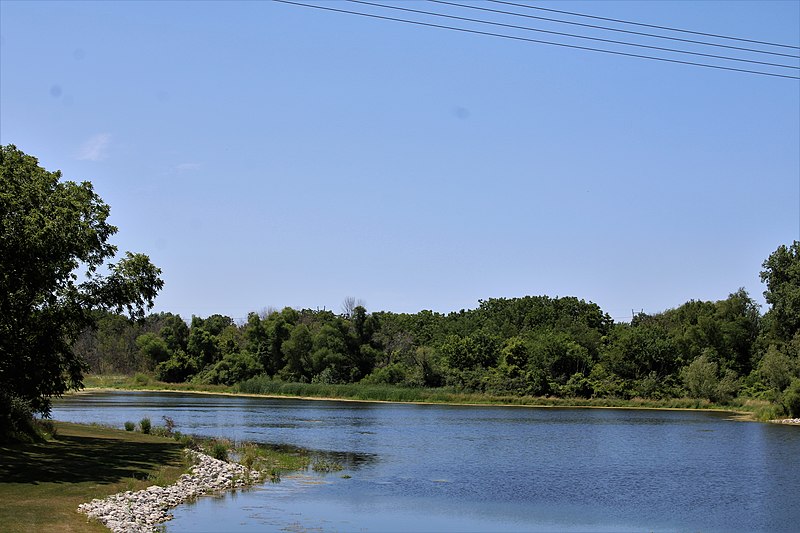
(270,155)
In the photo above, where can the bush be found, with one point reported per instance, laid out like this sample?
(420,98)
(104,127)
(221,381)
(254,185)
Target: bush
(791,398)
(392,374)
(130,426)
(177,368)
(16,419)
(578,386)
(700,378)
(144,423)
(233,368)
(219,450)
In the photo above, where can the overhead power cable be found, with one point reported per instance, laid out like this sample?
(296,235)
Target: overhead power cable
(643,24)
(537,41)
(607,28)
(527,28)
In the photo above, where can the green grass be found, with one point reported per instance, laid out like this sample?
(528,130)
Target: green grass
(355,391)
(388,393)
(42,484)
(123,382)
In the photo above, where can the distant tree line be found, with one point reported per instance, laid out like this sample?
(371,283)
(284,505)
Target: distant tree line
(534,345)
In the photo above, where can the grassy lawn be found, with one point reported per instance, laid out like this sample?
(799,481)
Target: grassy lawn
(42,484)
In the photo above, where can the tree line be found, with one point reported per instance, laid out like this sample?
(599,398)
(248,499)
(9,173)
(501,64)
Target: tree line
(532,345)
(69,305)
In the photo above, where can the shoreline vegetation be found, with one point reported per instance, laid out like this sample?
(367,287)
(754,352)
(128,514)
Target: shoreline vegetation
(42,484)
(750,409)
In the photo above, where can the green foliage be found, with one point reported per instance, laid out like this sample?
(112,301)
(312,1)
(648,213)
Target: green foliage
(479,350)
(49,229)
(791,398)
(635,351)
(700,378)
(777,368)
(175,333)
(578,386)
(130,426)
(145,425)
(177,368)
(392,374)
(16,419)
(233,368)
(153,348)
(514,348)
(297,349)
(219,450)
(782,275)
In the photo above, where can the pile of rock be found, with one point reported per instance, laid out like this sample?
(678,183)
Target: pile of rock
(789,421)
(142,510)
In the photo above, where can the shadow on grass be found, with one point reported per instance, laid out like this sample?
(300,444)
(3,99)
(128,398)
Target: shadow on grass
(76,459)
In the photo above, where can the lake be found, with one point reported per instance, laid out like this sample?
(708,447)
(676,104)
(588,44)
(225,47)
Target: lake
(465,468)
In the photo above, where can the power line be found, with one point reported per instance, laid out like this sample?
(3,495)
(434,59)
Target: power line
(527,28)
(643,24)
(606,28)
(538,41)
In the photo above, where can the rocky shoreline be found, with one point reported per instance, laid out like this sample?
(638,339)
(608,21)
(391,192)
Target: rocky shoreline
(143,510)
(793,421)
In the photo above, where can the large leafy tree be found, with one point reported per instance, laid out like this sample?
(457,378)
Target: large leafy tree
(55,271)
(782,275)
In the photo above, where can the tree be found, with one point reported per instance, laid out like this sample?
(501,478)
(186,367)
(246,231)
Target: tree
(175,332)
(48,229)
(298,349)
(153,348)
(700,377)
(782,275)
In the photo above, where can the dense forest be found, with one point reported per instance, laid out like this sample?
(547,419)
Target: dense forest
(533,346)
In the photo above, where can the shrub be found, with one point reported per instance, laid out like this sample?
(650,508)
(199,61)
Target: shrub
(144,423)
(791,399)
(578,386)
(16,419)
(141,379)
(700,378)
(177,368)
(233,368)
(219,450)
(129,426)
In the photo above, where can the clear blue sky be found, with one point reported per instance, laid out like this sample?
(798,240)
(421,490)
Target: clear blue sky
(265,154)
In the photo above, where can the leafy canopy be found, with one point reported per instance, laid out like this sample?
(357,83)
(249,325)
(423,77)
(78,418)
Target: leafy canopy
(54,272)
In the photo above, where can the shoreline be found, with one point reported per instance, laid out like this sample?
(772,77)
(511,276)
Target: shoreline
(738,415)
(144,510)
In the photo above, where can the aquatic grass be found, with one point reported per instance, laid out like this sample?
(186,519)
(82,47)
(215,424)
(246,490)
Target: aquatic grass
(356,391)
(271,460)
(263,385)
(325,466)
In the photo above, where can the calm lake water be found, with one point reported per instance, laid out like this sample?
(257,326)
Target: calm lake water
(448,468)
